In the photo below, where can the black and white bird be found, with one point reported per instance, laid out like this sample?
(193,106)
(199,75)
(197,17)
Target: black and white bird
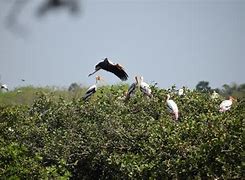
(116,69)
(144,87)
(172,107)
(92,89)
(4,86)
(132,88)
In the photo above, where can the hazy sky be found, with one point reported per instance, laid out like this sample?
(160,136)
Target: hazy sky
(171,42)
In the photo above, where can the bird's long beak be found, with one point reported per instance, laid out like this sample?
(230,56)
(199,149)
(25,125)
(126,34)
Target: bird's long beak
(93,72)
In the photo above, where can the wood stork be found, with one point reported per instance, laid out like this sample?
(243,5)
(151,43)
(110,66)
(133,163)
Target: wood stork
(172,107)
(144,87)
(4,86)
(116,69)
(92,89)
(226,104)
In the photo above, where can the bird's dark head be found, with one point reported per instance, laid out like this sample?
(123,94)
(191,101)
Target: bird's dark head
(98,67)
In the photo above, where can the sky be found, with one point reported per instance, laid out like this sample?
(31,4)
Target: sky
(171,42)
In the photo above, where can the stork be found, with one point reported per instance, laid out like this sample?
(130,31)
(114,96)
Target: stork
(132,88)
(144,87)
(226,104)
(116,69)
(4,86)
(92,89)
(172,107)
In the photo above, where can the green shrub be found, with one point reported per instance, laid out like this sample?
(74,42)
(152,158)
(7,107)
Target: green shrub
(108,138)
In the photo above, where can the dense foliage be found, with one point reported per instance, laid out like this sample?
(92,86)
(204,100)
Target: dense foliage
(62,136)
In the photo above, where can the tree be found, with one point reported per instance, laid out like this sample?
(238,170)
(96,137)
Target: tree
(203,86)
(73,87)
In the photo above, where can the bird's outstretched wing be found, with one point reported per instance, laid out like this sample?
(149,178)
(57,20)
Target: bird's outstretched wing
(119,72)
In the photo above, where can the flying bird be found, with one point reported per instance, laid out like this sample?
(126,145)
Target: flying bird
(226,104)
(4,86)
(144,87)
(92,89)
(48,5)
(116,69)
(172,107)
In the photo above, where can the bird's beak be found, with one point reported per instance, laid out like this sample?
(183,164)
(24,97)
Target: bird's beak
(93,72)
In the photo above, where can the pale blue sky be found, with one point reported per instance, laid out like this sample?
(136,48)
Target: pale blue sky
(171,42)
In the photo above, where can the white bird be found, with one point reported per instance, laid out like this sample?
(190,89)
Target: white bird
(172,107)
(92,89)
(215,95)
(181,92)
(144,87)
(226,104)
(4,86)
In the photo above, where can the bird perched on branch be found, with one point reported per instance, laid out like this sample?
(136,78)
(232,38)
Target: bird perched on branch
(92,89)
(144,87)
(4,86)
(172,107)
(132,88)
(226,104)
(116,69)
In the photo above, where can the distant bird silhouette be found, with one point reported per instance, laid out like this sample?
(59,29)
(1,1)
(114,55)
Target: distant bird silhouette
(92,89)
(4,86)
(23,80)
(116,69)
(172,107)
(72,5)
(226,104)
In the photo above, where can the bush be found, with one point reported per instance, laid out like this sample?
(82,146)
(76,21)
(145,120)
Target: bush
(108,138)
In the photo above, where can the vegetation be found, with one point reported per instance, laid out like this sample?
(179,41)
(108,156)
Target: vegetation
(54,134)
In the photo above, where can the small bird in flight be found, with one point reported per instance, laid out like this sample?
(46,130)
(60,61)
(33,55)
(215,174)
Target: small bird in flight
(116,69)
